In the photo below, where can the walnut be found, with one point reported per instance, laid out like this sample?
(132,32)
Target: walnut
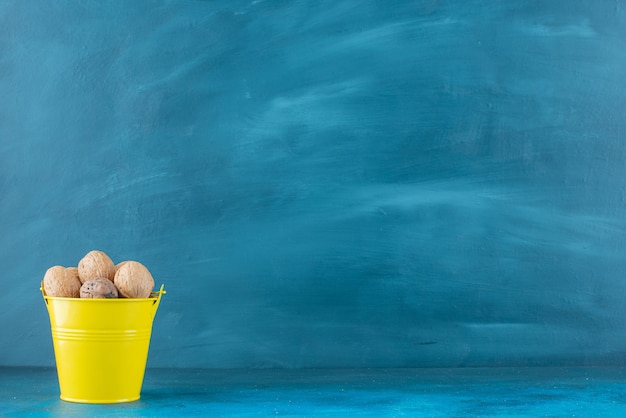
(61,282)
(95,264)
(98,288)
(133,280)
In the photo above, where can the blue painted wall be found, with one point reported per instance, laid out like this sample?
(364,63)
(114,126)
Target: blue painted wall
(403,183)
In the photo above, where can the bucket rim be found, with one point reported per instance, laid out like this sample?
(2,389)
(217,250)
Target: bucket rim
(155,294)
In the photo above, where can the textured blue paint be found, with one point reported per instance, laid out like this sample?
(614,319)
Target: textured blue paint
(320,184)
(511,392)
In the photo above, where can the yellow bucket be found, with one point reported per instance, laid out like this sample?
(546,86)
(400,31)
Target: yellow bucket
(101,346)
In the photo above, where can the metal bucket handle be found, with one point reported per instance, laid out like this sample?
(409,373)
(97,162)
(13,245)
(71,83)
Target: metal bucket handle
(154,294)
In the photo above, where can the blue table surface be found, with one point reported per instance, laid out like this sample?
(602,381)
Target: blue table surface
(511,392)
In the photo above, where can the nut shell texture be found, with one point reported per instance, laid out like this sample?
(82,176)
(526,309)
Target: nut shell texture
(61,282)
(98,288)
(95,264)
(118,265)
(133,280)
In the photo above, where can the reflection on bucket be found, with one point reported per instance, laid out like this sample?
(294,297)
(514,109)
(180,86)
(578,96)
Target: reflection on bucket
(101,346)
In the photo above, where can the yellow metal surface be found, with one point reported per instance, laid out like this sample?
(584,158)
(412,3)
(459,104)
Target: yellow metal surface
(101,346)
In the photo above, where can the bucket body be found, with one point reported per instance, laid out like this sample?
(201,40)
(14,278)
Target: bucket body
(101,346)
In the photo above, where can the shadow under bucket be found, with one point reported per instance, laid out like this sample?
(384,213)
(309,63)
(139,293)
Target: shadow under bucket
(101,346)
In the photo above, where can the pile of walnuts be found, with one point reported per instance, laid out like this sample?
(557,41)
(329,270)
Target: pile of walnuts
(98,277)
